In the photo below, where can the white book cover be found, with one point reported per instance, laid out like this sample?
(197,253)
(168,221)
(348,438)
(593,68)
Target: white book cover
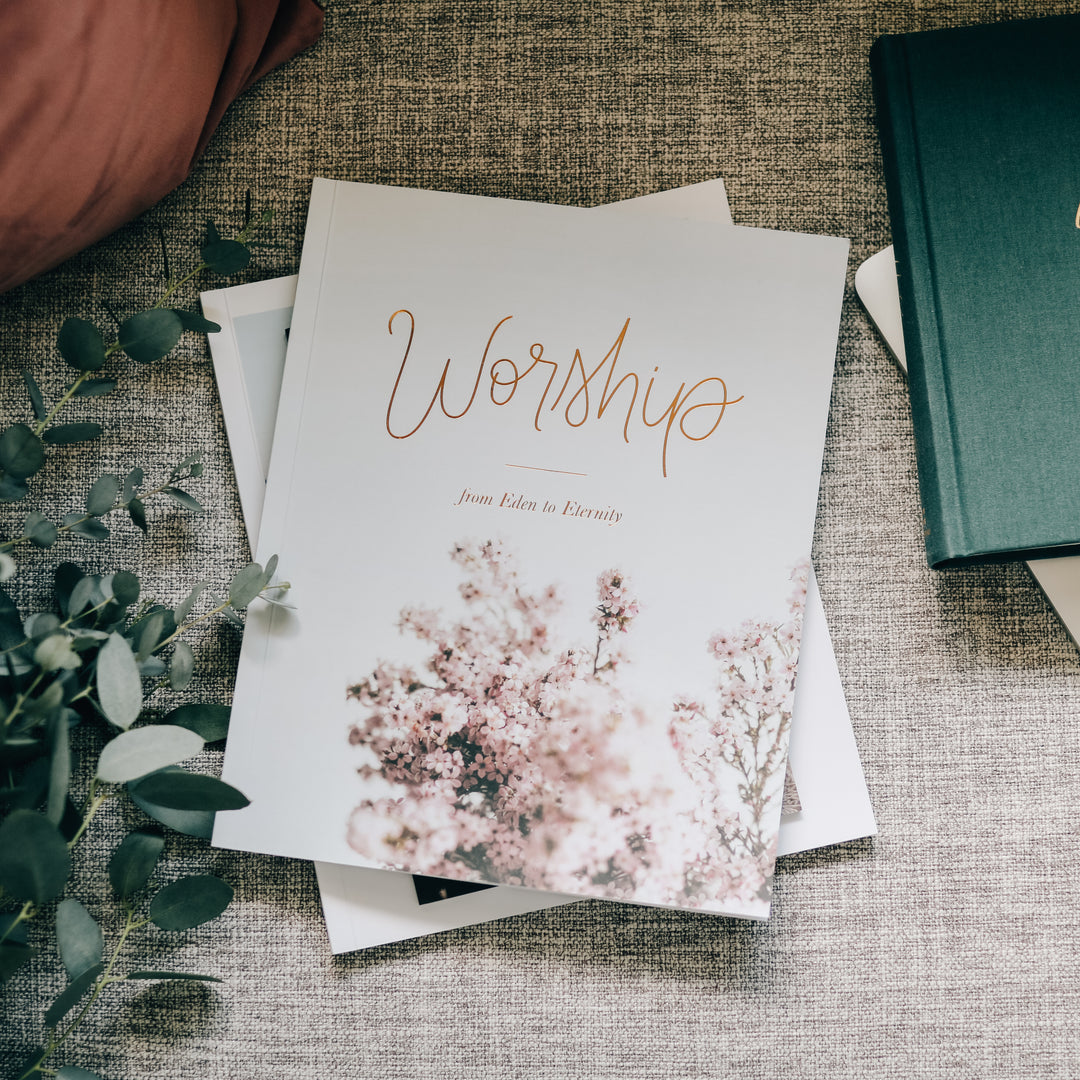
(365,907)
(876,285)
(544,482)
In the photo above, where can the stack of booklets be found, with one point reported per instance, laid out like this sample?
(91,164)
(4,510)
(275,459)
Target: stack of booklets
(543,481)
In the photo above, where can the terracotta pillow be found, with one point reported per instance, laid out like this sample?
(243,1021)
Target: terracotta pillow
(105,107)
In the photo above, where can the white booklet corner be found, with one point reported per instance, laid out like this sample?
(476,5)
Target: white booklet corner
(365,906)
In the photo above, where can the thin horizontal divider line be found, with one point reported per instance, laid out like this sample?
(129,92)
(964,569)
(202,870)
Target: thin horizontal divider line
(538,468)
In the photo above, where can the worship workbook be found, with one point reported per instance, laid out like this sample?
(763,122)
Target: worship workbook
(365,907)
(544,483)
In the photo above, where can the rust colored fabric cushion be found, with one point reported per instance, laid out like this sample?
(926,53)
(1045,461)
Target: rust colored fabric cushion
(106,106)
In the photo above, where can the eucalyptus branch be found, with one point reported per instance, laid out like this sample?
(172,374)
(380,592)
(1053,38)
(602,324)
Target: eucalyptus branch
(94,656)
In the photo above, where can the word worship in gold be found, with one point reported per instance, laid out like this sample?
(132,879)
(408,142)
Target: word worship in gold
(580,394)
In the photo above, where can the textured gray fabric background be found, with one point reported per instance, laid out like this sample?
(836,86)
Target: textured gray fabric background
(946,947)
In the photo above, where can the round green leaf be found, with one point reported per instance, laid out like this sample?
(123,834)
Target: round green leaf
(81,344)
(192,320)
(119,686)
(182,666)
(78,937)
(34,859)
(149,335)
(73,1072)
(172,975)
(12,490)
(55,653)
(40,530)
(247,584)
(102,497)
(21,452)
(62,434)
(225,256)
(133,862)
(122,586)
(188,791)
(68,998)
(198,823)
(210,721)
(137,512)
(190,902)
(144,750)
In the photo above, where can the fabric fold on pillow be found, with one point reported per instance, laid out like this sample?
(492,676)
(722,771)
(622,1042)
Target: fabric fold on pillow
(106,107)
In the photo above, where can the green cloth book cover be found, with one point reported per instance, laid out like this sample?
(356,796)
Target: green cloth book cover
(980,137)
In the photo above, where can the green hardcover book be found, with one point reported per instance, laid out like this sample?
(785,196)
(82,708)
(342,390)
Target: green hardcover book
(980,137)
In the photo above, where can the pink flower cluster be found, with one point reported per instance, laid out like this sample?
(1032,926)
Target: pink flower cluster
(510,760)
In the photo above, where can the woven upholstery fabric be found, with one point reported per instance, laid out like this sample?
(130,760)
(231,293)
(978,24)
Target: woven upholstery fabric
(949,946)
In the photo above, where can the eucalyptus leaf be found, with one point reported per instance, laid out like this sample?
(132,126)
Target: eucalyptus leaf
(133,862)
(40,530)
(150,633)
(81,344)
(12,490)
(119,686)
(188,791)
(246,585)
(137,512)
(172,975)
(132,483)
(73,1072)
(11,627)
(87,593)
(227,611)
(198,823)
(122,586)
(63,434)
(150,335)
(37,402)
(34,859)
(78,938)
(271,569)
(41,624)
(192,320)
(189,902)
(65,577)
(59,768)
(102,497)
(183,609)
(71,995)
(225,256)
(33,787)
(182,498)
(55,652)
(210,721)
(187,467)
(81,525)
(94,388)
(13,954)
(153,667)
(143,750)
(212,233)
(182,666)
(21,452)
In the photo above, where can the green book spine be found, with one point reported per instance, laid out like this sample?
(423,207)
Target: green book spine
(912,244)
